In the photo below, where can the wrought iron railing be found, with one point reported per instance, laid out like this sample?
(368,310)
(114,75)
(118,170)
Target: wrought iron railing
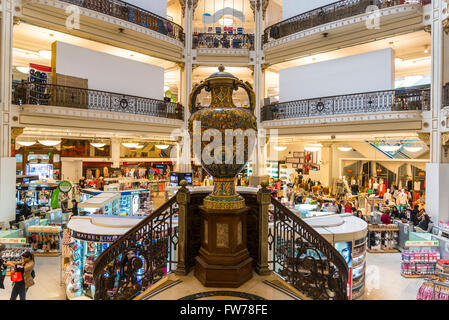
(140,258)
(329,13)
(300,255)
(133,14)
(304,259)
(446,95)
(225,41)
(64,96)
(367,102)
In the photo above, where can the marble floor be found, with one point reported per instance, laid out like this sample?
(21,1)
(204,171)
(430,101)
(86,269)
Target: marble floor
(383,282)
(47,282)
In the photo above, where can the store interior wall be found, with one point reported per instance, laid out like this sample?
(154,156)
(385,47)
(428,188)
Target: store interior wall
(372,71)
(291,8)
(71,170)
(110,73)
(158,7)
(437,184)
(7,190)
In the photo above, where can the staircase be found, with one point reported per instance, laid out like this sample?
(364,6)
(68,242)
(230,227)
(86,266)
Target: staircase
(161,251)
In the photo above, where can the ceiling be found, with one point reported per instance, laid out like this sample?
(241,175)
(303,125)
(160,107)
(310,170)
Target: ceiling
(29,39)
(409,47)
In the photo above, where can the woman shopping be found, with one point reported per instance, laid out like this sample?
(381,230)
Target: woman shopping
(23,273)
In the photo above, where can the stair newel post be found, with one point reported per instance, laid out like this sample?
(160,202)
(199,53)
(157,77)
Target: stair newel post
(263,199)
(183,200)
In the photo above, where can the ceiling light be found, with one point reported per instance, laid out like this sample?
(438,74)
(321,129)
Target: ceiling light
(390,148)
(313,147)
(426,49)
(345,149)
(26,143)
(162,146)
(45,54)
(397,60)
(98,144)
(130,144)
(226,21)
(413,149)
(140,146)
(23,69)
(49,143)
(279,148)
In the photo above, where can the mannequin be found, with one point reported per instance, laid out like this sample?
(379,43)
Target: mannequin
(402,198)
(346,184)
(375,187)
(409,184)
(387,195)
(382,188)
(340,187)
(354,186)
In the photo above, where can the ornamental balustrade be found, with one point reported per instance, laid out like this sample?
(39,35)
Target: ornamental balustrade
(131,13)
(329,13)
(64,96)
(223,41)
(366,102)
(168,241)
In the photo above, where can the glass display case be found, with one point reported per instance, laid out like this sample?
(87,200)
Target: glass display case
(104,203)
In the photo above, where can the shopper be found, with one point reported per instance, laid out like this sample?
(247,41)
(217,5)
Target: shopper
(360,215)
(414,215)
(2,267)
(74,207)
(386,217)
(395,212)
(424,222)
(82,183)
(26,269)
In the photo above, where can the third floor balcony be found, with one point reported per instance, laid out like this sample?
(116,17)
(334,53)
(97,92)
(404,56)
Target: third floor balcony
(341,24)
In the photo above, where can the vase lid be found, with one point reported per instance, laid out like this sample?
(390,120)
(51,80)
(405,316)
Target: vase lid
(221,74)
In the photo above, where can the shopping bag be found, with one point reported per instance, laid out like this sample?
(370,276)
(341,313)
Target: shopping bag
(16,276)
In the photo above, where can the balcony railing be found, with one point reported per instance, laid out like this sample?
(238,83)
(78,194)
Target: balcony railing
(134,14)
(225,41)
(63,96)
(368,102)
(329,13)
(446,95)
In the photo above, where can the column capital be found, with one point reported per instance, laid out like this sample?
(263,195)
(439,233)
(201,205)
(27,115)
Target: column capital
(259,4)
(15,132)
(446,26)
(190,4)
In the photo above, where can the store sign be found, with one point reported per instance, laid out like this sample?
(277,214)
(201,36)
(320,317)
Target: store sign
(94,237)
(65,186)
(292,160)
(421,243)
(13,240)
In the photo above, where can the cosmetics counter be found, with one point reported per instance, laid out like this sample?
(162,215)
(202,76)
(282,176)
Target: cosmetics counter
(130,202)
(83,241)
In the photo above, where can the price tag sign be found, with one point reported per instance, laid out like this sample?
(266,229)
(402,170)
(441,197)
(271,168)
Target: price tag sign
(65,186)
(13,240)
(421,243)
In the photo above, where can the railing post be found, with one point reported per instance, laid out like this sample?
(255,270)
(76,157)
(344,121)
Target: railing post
(183,199)
(263,199)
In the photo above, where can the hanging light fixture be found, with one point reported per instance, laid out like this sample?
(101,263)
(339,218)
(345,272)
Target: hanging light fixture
(344,148)
(388,148)
(313,147)
(98,144)
(45,54)
(26,143)
(162,146)
(413,149)
(49,143)
(280,148)
(23,69)
(130,144)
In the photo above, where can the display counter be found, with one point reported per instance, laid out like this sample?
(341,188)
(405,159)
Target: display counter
(86,238)
(106,203)
(404,232)
(348,234)
(131,202)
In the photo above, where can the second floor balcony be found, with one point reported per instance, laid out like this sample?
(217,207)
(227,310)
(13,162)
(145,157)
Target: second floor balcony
(359,103)
(223,41)
(29,93)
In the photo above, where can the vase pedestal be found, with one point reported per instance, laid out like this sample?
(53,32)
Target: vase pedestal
(223,260)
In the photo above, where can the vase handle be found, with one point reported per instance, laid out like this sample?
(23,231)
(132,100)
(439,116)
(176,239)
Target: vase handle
(251,95)
(195,91)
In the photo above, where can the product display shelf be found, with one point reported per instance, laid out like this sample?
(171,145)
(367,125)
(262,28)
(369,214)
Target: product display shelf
(421,262)
(45,240)
(383,238)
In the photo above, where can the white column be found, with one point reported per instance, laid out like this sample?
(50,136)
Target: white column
(258,158)
(437,202)
(326,164)
(7,163)
(115,152)
(186,79)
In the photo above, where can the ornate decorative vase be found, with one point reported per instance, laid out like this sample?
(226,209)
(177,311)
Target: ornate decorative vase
(224,117)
